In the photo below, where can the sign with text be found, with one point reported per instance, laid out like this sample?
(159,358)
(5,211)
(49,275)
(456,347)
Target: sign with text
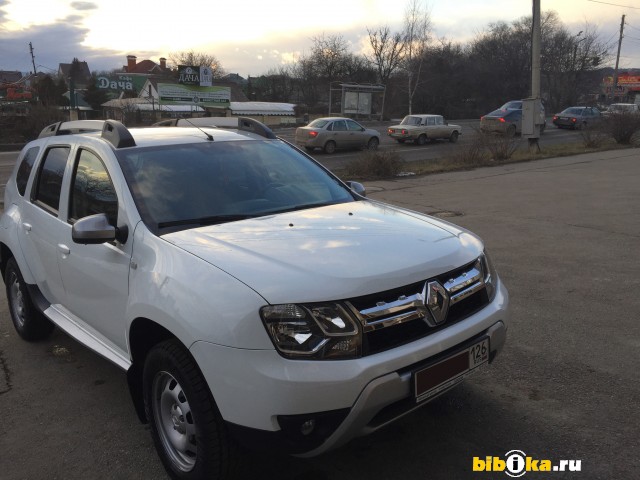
(120,83)
(194,75)
(175,94)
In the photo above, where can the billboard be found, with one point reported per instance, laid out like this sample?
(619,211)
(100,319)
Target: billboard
(357,102)
(194,75)
(176,94)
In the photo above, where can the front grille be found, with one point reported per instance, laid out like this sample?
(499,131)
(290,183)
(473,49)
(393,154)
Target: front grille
(399,316)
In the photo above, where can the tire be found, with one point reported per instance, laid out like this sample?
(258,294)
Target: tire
(186,426)
(453,138)
(28,321)
(329,147)
(373,143)
(422,139)
(511,131)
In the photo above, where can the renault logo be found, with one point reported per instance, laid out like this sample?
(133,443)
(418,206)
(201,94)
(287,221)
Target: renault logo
(436,302)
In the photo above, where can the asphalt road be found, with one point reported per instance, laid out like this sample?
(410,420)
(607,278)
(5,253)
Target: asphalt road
(410,152)
(565,236)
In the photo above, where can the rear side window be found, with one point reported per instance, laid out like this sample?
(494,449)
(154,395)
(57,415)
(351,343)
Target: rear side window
(50,178)
(24,170)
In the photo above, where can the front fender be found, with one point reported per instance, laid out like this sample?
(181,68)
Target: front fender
(191,298)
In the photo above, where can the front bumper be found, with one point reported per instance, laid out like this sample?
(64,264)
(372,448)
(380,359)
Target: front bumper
(259,393)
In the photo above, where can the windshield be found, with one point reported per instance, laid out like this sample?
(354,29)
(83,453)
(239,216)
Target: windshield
(186,185)
(409,120)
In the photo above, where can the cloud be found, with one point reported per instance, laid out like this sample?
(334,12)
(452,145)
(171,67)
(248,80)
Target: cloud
(3,13)
(84,6)
(53,44)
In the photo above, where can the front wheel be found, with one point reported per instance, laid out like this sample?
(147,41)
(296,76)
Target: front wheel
(373,143)
(454,137)
(187,429)
(28,321)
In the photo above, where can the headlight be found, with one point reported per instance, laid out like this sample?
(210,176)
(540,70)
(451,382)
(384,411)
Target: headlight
(490,275)
(312,331)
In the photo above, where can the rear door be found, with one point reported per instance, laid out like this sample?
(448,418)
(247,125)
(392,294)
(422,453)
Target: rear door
(340,134)
(40,229)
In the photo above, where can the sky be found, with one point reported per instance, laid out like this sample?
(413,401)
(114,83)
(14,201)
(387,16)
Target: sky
(249,37)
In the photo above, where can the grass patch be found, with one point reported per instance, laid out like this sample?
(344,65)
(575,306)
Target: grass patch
(459,160)
(374,165)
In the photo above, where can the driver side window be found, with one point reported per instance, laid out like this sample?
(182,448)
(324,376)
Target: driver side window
(92,191)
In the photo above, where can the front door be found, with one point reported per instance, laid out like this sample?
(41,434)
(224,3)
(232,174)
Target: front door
(95,277)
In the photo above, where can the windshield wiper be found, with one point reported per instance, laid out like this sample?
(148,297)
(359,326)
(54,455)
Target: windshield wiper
(203,221)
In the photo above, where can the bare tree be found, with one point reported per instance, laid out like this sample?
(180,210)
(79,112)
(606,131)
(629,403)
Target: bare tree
(328,53)
(198,59)
(388,51)
(416,36)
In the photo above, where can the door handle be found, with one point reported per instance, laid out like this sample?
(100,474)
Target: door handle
(63,249)
(26,226)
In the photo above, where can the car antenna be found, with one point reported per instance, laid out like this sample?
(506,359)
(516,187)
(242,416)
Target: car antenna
(209,136)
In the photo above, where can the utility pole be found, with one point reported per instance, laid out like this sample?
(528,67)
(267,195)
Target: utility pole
(531,107)
(615,72)
(33,59)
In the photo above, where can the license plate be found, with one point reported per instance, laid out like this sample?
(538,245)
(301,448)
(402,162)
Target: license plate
(564,118)
(436,378)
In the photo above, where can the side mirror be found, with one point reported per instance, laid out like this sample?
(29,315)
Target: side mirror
(358,188)
(94,229)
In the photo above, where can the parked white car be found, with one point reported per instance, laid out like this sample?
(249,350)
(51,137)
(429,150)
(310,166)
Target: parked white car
(622,108)
(251,296)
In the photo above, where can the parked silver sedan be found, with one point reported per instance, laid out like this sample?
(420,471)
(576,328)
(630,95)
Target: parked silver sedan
(332,133)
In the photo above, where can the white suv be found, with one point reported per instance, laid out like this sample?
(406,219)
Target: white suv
(250,295)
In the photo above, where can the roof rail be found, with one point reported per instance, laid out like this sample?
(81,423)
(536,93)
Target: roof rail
(242,123)
(117,134)
(166,123)
(112,131)
(254,126)
(68,128)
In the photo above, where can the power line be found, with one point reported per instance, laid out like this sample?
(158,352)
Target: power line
(614,4)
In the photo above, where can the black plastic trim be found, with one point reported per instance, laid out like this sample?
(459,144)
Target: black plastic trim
(250,125)
(37,298)
(117,134)
(289,439)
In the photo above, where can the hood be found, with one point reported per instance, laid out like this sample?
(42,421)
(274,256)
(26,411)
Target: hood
(331,253)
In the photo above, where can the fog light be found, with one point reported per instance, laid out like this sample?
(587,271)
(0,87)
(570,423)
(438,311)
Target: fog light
(307,427)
